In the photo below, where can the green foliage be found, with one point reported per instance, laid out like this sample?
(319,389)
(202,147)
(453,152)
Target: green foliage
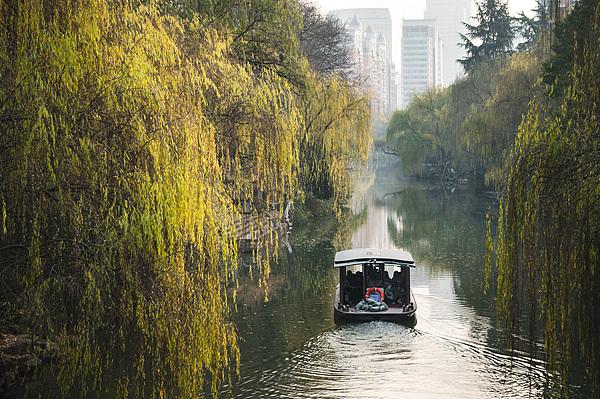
(570,34)
(471,125)
(488,249)
(337,138)
(115,194)
(542,151)
(548,249)
(534,31)
(491,38)
(489,128)
(422,132)
(131,136)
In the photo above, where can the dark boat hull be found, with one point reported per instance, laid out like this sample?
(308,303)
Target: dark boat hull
(360,316)
(396,315)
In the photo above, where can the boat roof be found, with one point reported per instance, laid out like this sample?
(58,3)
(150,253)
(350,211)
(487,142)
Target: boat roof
(359,256)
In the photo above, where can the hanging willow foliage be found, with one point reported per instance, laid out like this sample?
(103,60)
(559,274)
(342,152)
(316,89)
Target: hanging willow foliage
(115,196)
(337,137)
(130,141)
(549,227)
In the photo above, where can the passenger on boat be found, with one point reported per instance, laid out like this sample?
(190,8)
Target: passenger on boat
(353,287)
(374,276)
(388,289)
(359,282)
(397,287)
(348,286)
(349,277)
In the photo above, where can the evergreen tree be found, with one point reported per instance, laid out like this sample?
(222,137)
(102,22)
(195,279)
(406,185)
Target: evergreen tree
(492,36)
(569,33)
(534,31)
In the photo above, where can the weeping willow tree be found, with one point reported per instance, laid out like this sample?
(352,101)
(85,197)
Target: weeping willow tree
(487,132)
(116,220)
(337,137)
(131,137)
(422,133)
(549,227)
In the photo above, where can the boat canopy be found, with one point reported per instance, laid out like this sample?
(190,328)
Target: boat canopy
(359,256)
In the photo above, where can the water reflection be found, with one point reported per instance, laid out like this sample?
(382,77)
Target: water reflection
(291,348)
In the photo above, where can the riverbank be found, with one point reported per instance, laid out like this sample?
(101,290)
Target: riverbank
(20,357)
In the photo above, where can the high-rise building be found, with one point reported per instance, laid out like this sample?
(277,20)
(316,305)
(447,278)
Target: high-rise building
(370,31)
(379,19)
(439,60)
(449,16)
(393,82)
(421,57)
(355,32)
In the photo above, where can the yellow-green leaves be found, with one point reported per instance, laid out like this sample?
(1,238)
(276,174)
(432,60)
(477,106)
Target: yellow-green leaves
(132,141)
(337,128)
(488,248)
(3,226)
(549,221)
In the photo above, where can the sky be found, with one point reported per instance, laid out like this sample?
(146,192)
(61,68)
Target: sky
(409,9)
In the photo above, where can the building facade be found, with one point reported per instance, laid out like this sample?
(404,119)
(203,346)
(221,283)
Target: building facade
(370,32)
(449,16)
(422,55)
(379,19)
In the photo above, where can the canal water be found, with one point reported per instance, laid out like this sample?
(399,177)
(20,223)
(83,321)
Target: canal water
(291,348)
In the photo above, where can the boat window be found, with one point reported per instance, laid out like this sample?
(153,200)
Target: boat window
(389,271)
(374,274)
(354,276)
(354,269)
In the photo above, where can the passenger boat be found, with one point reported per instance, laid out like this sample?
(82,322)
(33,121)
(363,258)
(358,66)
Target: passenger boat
(374,285)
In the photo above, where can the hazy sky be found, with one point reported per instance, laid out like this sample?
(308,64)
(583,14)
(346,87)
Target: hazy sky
(406,9)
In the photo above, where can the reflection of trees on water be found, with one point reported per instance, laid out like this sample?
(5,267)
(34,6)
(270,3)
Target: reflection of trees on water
(292,314)
(444,230)
(300,289)
(442,227)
